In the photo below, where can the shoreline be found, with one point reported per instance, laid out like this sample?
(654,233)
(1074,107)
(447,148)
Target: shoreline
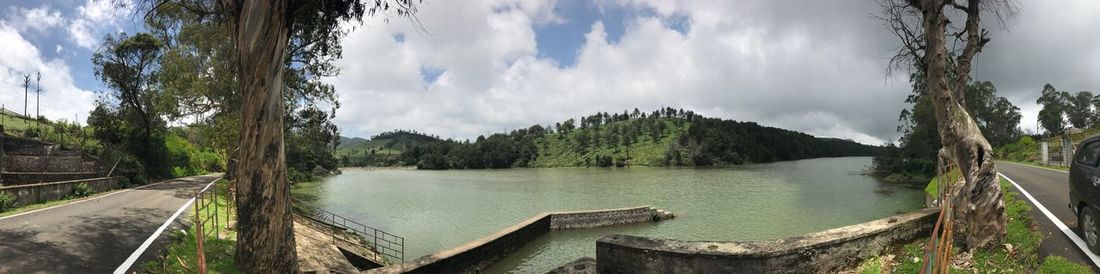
(375,168)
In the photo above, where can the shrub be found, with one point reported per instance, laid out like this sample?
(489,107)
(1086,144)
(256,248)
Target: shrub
(124,182)
(7,201)
(138,180)
(178,172)
(81,190)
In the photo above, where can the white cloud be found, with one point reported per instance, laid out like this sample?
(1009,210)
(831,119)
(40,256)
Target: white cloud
(95,18)
(81,34)
(816,67)
(60,98)
(37,19)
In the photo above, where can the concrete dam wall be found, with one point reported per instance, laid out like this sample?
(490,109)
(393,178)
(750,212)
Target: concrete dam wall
(827,251)
(481,253)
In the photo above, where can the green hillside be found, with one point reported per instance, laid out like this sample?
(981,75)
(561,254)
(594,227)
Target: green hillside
(665,137)
(384,149)
(1026,149)
(604,148)
(59,132)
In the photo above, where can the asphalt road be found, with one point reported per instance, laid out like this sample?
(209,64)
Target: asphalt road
(95,235)
(1051,189)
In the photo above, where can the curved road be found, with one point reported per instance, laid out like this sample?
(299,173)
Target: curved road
(1050,190)
(95,235)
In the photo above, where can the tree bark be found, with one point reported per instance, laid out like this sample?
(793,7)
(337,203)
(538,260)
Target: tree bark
(979,200)
(265,242)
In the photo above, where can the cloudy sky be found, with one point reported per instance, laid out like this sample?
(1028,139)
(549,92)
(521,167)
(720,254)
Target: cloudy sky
(480,67)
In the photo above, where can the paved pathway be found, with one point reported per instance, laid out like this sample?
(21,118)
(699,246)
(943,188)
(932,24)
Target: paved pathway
(95,235)
(1050,188)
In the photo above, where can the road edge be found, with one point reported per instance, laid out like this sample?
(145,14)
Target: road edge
(85,199)
(126,265)
(1057,223)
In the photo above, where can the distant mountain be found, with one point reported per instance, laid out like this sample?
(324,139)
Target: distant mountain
(351,142)
(665,137)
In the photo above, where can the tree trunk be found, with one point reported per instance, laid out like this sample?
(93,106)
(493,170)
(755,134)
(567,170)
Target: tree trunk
(980,207)
(265,242)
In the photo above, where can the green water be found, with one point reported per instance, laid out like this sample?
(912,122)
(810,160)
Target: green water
(437,210)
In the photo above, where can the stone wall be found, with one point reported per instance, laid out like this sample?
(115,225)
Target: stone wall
(21,163)
(822,252)
(29,161)
(607,217)
(44,192)
(481,253)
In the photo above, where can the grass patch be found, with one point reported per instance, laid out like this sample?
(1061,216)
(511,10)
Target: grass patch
(1018,255)
(1062,168)
(1061,265)
(182,253)
(31,207)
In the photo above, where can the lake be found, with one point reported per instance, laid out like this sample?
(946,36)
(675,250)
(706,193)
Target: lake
(437,210)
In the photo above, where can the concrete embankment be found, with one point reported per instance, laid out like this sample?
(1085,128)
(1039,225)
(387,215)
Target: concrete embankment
(480,253)
(39,193)
(822,252)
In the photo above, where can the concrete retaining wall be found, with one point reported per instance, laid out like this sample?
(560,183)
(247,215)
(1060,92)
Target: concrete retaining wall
(19,163)
(39,193)
(822,252)
(29,161)
(479,254)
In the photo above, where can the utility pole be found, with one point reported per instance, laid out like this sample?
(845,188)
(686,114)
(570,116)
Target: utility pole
(37,103)
(26,85)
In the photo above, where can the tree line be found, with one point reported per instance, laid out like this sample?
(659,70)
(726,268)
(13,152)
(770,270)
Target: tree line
(1061,109)
(676,136)
(913,159)
(181,76)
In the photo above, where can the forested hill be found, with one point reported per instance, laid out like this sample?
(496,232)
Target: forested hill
(665,137)
(383,149)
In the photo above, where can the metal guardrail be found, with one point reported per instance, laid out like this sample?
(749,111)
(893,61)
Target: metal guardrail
(389,247)
(206,214)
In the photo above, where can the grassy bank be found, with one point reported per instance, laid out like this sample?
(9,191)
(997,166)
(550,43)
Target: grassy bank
(1019,254)
(182,253)
(31,207)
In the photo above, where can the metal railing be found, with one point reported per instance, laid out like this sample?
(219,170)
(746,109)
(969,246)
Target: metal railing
(206,214)
(387,248)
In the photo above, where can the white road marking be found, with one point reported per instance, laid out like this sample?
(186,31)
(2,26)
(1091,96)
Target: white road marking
(86,199)
(145,245)
(1035,166)
(1061,226)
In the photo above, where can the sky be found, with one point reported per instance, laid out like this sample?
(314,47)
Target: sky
(482,67)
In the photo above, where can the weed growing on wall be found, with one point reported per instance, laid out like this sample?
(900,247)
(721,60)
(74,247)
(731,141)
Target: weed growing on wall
(7,201)
(80,190)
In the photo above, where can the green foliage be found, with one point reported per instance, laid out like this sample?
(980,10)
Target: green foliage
(309,143)
(1052,115)
(932,189)
(187,160)
(198,76)
(1079,109)
(384,149)
(913,160)
(138,180)
(1024,239)
(125,182)
(218,250)
(7,201)
(1024,150)
(996,116)
(871,266)
(667,137)
(1060,265)
(1022,257)
(130,117)
(80,190)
